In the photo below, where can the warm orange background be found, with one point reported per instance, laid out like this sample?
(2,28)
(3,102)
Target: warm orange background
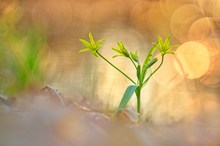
(189,79)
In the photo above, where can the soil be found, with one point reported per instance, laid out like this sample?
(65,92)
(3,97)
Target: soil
(48,120)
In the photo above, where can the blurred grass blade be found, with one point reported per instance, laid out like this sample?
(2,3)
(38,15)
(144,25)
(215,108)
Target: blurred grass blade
(127,96)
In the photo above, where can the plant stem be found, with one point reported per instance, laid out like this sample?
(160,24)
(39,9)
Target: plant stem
(154,71)
(138,94)
(133,62)
(116,68)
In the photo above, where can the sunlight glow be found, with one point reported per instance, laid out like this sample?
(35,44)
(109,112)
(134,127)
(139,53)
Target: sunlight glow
(194,58)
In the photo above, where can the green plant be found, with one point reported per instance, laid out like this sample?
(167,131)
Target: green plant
(21,51)
(141,70)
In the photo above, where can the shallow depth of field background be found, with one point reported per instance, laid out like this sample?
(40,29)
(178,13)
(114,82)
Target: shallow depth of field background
(39,45)
(186,85)
(187,80)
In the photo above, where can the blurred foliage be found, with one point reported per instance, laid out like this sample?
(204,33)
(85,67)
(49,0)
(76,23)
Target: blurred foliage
(20,53)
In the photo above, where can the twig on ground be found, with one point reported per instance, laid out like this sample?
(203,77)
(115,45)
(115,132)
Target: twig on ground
(55,93)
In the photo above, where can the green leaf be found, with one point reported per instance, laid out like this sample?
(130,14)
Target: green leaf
(164,47)
(116,56)
(146,66)
(127,96)
(160,41)
(148,59)
(170,52)
(99,41)
(98,45)
(95,53)
(118,51)
(123,49)
(121,45)
(84,50)
(151,63)
(92,42)
(134,56)
(174,46)
(156,45)
(92,45)
(85,43)
(150,54)
(138,71)
(91,37)
(167,41)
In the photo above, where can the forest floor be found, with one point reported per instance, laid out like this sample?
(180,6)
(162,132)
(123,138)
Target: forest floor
(47,119)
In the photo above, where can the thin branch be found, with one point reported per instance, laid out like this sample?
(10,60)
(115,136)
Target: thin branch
(116,68)
(133,63)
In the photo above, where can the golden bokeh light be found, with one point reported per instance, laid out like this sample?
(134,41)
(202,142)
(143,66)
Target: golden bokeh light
(201,29)
(192,23)
(212,76)
(195,59)
(210,8)
(182,19)
(103,10)
(139,15)
(144,17)
(40,45)
(172,5)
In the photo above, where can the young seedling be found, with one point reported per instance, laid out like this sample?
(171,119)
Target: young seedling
(141,70)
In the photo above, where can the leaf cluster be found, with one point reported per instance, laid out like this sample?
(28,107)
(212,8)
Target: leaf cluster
(164,47)
(91,45)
